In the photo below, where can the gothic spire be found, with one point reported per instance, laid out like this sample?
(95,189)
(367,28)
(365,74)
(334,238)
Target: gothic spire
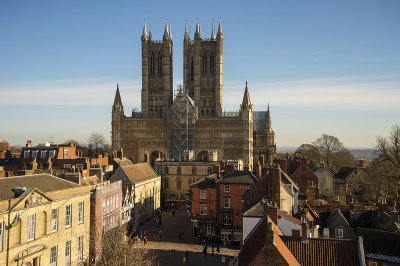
(144,34)
(197,34)
(166,31)
(220,34)
(268,123)
(213,32)
(117,100)
(187,36)
(170,32)
(246,99)
(150,34)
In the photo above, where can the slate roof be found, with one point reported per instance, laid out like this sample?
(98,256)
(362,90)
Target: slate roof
(376,220)
(322,251)
(139,172)
(377,243)
(259,120)
(205,182)
(344,172)
(255,210)
(238,177)
(44,182)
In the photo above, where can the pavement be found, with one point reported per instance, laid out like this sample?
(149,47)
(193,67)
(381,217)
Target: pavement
(170,250)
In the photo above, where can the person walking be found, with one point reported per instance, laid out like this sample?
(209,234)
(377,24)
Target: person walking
(160,233)
(205,252)
(173,212)
(187,256)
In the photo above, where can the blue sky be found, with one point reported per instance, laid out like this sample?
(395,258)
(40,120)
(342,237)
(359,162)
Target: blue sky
(324,67)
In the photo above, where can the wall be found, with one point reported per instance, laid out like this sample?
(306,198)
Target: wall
(248,224)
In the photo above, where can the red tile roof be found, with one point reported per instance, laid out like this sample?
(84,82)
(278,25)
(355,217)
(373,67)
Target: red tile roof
(319,252)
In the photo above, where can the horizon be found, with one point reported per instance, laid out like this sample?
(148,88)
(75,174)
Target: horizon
(330,68)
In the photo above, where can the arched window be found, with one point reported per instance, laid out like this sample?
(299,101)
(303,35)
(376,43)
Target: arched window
(212,64)
(204,64)
(152,66)
(151,112)
(166,170)
(191,71)
(159,64)
(209,171)
(207,113)
(178,171)
(202,112)
(161,113)
(166,184)
(194,170)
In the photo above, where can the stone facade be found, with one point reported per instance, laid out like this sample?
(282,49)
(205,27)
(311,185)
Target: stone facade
(147,135)
(35,227)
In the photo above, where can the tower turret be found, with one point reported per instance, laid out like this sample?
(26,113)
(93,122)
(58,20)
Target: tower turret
(170,32)
(166,32)
(220,34)
(268,128)
(187,34)
(246,103)
(144,34)
(150,35)
(118,108)
(213,32)
(197,34)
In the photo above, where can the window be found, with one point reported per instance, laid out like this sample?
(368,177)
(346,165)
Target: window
(227,203)
(337,190)
(67,165)
(178,184)
(68,253)
(52,154)
(166,184)
(43,154)
(79,165)
(1,235)
(80,212)
(204,64)
(194,171)
(166,170)
(54,220)
(349,185)
(152,65)
(372,263)
(68,211)
(212,66)
(65,153)
(178,171)
(209,228)
(203,209)
(226,188)
(31,226)
(159,64)
(26,154)
(80,248)
(295,232)
(339,232)
(108,206)
(227,218)
(34,154)
(53,256)
(203,194)
(104,207)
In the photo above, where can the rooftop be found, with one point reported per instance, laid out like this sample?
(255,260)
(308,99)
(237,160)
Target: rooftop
(238,177)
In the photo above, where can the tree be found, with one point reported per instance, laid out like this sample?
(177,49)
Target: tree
(327,149)
(96,143)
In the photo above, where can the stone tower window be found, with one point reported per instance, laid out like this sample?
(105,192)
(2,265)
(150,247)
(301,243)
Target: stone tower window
(178,171)
(166,170)
(191,71)
(204,64)
(159,64)
(212,64)
(152,66)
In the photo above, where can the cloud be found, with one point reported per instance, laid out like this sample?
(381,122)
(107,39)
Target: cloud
(345,93)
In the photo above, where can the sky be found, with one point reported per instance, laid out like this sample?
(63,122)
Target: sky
(328,67)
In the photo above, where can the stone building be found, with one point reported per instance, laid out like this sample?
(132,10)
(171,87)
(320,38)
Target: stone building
(190,118)
(44,220)
(146,186)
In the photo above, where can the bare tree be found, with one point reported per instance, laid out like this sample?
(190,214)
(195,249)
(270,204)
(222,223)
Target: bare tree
(96,143)
(327,149)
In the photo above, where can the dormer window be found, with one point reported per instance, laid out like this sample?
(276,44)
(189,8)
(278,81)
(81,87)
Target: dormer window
(34,154)
(43,154)
(26,154)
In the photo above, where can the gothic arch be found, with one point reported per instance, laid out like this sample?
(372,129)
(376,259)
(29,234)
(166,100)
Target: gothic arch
(202,156)
(159,63)
(204,67)
(156,155)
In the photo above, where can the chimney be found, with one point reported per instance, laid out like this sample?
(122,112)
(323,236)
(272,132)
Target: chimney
(29,143)
(311,194)
(303,228)
(120,154)
(382,206)
(336,203)
(258,170)
(271,211)
(269,239)
(394,215)
(349,199)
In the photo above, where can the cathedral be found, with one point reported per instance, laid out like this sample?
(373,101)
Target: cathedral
(189,124)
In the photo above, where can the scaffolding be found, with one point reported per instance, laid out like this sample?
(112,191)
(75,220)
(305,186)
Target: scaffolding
(182,116)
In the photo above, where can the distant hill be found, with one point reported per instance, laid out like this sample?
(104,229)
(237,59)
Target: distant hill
(358,153)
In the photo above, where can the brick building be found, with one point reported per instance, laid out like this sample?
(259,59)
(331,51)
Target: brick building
(217,205)
(105,212)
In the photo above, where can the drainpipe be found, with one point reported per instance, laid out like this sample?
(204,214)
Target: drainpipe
(8,232)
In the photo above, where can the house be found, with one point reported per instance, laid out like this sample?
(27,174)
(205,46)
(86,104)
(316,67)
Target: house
(266,245)
(204,207)
(381,247)
(145,183)
(44,220)
(274,185)
(105,213)
(326,178)
(336,224)
(350,179)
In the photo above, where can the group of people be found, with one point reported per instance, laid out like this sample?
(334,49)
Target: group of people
(212,250)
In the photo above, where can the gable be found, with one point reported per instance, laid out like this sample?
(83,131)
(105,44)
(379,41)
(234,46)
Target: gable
(32,197)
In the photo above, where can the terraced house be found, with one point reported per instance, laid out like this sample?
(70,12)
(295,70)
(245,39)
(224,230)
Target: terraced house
(44,220)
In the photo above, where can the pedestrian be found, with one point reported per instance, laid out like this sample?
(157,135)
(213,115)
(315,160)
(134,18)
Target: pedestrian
(218,248)
(173,212)
(212,250)
(187,255)
(205,251)
(159,220)
(160,233)
(145,240)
